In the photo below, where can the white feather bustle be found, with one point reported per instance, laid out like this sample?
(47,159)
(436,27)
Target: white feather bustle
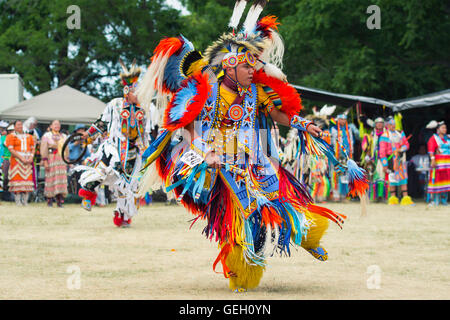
(239,8)
(150,180)
(326,110)
(149,87)
(275,51)
(274,71)
(252,18)
(432,124)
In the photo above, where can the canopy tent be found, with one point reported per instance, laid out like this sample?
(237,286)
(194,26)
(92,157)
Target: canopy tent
(432,99)
(345,100)
(413,121)
(65,104)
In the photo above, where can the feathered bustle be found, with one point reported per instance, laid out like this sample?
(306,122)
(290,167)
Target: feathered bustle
(239,8)
(253,15)
(291,103)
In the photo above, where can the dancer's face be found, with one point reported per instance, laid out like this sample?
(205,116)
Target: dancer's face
(379,125)
(342,122)
(442,129)
(132,98)
(391,126)
(243,73)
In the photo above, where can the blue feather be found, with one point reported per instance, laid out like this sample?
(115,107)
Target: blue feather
(354,171)
(182,100)
(285,230)
(299,223)
(172,74)
(198,187)
(155,144)
(249,249)
(190,180)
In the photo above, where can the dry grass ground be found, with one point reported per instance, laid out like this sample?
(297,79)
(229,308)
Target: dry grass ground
(393,253)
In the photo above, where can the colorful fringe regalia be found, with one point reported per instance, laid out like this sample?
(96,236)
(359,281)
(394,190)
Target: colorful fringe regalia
(393,145)
(342,142)
(319,173)
(379,186)
(117,162)
(252,206)
(371,161)
(319,182)
(439,180)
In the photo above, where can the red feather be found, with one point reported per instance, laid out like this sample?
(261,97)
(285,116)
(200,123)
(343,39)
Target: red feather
(289,193)
(270,216)
(194,108)
(88,195)
(359,187)
(291,103)
(168,46)
(265,24)
(327,213)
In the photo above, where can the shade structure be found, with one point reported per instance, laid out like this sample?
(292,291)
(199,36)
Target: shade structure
(345,100)
(66,104)
(429,100)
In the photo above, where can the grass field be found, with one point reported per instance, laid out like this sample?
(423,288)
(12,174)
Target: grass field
(69,253)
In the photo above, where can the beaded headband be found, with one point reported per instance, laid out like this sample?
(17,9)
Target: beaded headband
(231,60)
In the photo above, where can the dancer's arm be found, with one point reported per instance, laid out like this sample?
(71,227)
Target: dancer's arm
(432,147)
(100,126)
(405,143)
(284,120)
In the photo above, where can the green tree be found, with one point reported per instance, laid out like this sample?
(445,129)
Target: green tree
(329,46)
(36,43)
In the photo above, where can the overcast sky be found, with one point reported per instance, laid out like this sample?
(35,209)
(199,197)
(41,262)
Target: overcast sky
(177,5)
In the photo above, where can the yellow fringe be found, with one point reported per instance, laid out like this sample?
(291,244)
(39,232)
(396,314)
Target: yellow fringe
(248,276)
(406,201)
(238,232)
(318,226)
(393,200)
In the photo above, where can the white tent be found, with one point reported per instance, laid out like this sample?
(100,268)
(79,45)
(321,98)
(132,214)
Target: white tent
(65,104)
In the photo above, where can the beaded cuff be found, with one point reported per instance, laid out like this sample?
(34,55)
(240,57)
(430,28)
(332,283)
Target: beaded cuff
(300,123)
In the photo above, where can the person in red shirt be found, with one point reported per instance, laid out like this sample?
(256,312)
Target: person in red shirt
(439,151)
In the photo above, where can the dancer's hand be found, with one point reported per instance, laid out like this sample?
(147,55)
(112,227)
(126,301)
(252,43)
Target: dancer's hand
(213,160)
(313,130)
(433,163)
